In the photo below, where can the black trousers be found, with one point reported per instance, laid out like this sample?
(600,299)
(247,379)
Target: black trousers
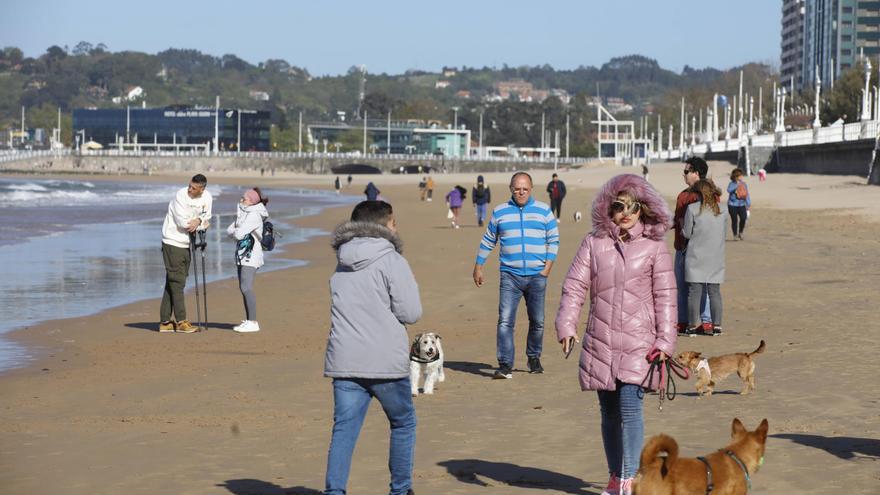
(737,219)
(556,207)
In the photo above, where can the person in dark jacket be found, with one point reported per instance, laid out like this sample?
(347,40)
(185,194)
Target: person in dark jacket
(373,294)
(556,190)
(372,192)
(481,197)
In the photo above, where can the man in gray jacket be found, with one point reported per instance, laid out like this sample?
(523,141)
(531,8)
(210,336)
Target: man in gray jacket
(372,295)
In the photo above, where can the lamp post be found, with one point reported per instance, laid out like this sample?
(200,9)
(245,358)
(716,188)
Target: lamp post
(816,122)
(238,133)
(693,130)
(866,113)
(751,121)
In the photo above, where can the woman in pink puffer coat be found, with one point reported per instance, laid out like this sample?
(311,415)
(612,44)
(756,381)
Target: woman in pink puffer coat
(627,270)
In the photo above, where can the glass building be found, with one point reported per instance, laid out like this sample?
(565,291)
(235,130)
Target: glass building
(247,130)
(398,137)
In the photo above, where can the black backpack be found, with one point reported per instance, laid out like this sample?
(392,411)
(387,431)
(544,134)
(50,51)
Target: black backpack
(267,241)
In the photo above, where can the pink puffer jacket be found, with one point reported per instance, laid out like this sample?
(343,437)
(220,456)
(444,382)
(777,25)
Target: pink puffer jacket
(632,291)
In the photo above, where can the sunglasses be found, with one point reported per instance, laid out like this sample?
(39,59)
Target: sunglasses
(688,171)
(627,209)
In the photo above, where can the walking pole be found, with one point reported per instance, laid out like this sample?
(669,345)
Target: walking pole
(192,251)
(204,244)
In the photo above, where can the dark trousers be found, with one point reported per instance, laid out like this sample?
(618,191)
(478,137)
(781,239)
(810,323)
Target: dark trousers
(176,269)
(738,217)
(556,206)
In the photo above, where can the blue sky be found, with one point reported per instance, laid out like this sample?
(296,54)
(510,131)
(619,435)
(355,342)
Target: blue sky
(329,36)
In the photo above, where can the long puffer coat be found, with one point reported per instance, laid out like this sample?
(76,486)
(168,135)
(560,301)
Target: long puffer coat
(632,291)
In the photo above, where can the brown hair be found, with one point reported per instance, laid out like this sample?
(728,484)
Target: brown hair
(736,174)
(263,198)
(708,195)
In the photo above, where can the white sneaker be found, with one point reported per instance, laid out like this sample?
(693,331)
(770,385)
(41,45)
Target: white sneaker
(247,326)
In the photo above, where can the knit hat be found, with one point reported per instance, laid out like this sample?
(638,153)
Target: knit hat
(252,196)
(479,179)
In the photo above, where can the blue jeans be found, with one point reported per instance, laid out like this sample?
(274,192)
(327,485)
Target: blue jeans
(351,399)
(705,311)
(481,212)
(513,288)
(623,429)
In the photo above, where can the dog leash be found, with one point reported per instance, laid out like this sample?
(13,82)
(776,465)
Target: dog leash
(665,370)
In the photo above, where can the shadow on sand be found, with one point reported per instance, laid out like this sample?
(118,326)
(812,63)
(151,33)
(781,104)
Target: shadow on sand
(154,326)
(842,447)
(258,487)
(480,369)
(468,470)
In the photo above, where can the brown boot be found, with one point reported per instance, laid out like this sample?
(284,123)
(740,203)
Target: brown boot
(166,327)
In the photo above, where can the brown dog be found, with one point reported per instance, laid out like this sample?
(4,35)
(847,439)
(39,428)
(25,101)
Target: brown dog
(730,468)
(710,371)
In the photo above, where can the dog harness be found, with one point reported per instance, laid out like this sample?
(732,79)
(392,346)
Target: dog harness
(704,365)
(711,486)
(743,467)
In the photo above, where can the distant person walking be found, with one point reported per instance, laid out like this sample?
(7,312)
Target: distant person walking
(625,267)
(247,230)
(429,185)
(695,169)
(423,189)
(188,212)
(372,192)
(739,202)
(705,226)
(349,180)
(454,200)
(337,185)
(481,197)
(373,294)
(556,191)
(529,240)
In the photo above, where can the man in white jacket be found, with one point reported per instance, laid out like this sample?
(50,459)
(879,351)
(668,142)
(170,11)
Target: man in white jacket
(188,212)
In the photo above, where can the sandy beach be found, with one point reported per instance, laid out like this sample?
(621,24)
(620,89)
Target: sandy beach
(110,406)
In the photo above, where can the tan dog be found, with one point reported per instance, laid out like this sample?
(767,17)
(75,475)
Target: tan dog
(730,469)
(710,371)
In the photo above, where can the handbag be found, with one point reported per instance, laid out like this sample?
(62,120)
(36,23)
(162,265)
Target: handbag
(449,214)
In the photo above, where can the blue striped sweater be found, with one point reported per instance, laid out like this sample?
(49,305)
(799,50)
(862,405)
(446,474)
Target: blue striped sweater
(529,237)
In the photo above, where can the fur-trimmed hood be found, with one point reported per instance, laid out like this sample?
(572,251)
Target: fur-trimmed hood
(358,244)
(644,192)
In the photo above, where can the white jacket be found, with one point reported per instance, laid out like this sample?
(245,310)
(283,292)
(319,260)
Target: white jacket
(249,221)
(181,210)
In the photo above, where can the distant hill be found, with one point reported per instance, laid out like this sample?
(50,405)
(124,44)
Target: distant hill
(93,76)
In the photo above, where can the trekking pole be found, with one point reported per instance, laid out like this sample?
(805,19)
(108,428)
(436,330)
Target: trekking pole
(192,251)
(204,244)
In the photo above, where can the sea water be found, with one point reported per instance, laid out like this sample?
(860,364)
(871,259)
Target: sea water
(71,248)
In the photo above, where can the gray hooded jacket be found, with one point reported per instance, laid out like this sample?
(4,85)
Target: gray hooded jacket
(373,293)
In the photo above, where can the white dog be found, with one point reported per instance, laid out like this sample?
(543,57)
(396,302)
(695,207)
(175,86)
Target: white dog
(577,216)
(426,358)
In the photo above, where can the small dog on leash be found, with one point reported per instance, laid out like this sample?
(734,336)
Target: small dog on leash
(577,216)
(426,358)
(727,471)
(711,370)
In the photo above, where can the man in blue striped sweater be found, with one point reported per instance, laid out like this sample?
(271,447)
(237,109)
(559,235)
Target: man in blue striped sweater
(529,240)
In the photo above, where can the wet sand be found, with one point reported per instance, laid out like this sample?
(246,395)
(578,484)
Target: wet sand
(111,406)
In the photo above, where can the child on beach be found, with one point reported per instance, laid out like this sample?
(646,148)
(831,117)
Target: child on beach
(626,267)
(373,294)
(247,229)
(454,200)
(704,227)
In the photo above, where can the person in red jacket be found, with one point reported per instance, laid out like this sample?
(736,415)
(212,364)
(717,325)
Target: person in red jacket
(626,267)
(695,169)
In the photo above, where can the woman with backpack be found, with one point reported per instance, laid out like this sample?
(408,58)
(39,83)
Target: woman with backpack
(738,203)
(247,229)
(481,196)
